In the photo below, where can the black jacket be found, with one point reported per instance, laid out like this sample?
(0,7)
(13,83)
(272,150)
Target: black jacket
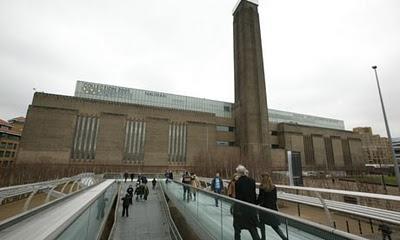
(125,201)
(268,199)
(245,217)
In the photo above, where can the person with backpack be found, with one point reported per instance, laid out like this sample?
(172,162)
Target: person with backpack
(154,182)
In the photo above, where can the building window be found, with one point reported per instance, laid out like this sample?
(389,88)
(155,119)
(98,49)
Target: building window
(10,145)
(8,153)
(225,143)
(135,135)
(274,146)
(177,142)
(15,146)
(3,145)
(1,154)
(227,109)
(224,128)
(12,154)
(274,133)
(85,138)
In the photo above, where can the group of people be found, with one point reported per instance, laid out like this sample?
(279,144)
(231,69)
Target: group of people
(141,191)
(242,187)
(127,175)
(191,180)
(168,176)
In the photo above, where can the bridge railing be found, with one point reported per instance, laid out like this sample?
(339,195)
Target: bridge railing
(91,218)
(211,221)
(18,190)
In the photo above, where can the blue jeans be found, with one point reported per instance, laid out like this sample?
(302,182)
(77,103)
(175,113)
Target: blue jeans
(217,190)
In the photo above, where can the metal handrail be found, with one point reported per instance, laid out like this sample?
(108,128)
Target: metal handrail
(116,212)
(115,195)
(72,219)
(22,216)
(13,191)
(172,227)
(280,214)
(333,191)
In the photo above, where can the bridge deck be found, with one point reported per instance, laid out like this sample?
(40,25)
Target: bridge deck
(146,219)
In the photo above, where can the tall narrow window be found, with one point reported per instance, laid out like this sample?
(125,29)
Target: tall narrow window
(135,135)
(177,142)
(85,138)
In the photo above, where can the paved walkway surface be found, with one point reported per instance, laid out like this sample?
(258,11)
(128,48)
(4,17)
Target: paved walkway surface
(146,219)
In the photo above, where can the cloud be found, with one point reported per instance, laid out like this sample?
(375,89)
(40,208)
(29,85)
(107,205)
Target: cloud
(318,54)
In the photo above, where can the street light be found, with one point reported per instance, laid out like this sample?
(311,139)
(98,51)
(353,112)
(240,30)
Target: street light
(396,164)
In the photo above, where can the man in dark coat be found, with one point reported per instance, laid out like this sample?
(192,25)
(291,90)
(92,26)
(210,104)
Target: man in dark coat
(132,177)
(125,205)
(245,217)
(126,176)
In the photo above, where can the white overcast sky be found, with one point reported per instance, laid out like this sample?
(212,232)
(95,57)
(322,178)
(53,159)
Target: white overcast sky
(317,53)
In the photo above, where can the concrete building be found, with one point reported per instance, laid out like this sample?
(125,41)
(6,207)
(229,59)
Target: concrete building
(9,142)
(376,149)
(142,130)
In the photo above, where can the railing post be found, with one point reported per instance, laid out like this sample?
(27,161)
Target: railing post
(49,194)
(65,185)
(73,184)
(28,201)
(327,212)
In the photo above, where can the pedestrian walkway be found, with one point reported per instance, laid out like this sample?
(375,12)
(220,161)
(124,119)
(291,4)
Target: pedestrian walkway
(146,219)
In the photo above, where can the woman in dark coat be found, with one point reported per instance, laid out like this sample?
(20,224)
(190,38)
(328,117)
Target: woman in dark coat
(267,198)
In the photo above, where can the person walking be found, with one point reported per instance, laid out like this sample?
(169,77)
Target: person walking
(231,189)
(195,184)
(216,186)
(245,217)
(145,192)
(386,231)
(186,179)
(132,177)
(267,198)
(139,191)
(231,186)
(125,205)
(143,179)
(129,191)
(126,175)
(154,182)
(166,175)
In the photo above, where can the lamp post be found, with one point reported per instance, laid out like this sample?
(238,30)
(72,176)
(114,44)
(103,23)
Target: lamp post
(396,164)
